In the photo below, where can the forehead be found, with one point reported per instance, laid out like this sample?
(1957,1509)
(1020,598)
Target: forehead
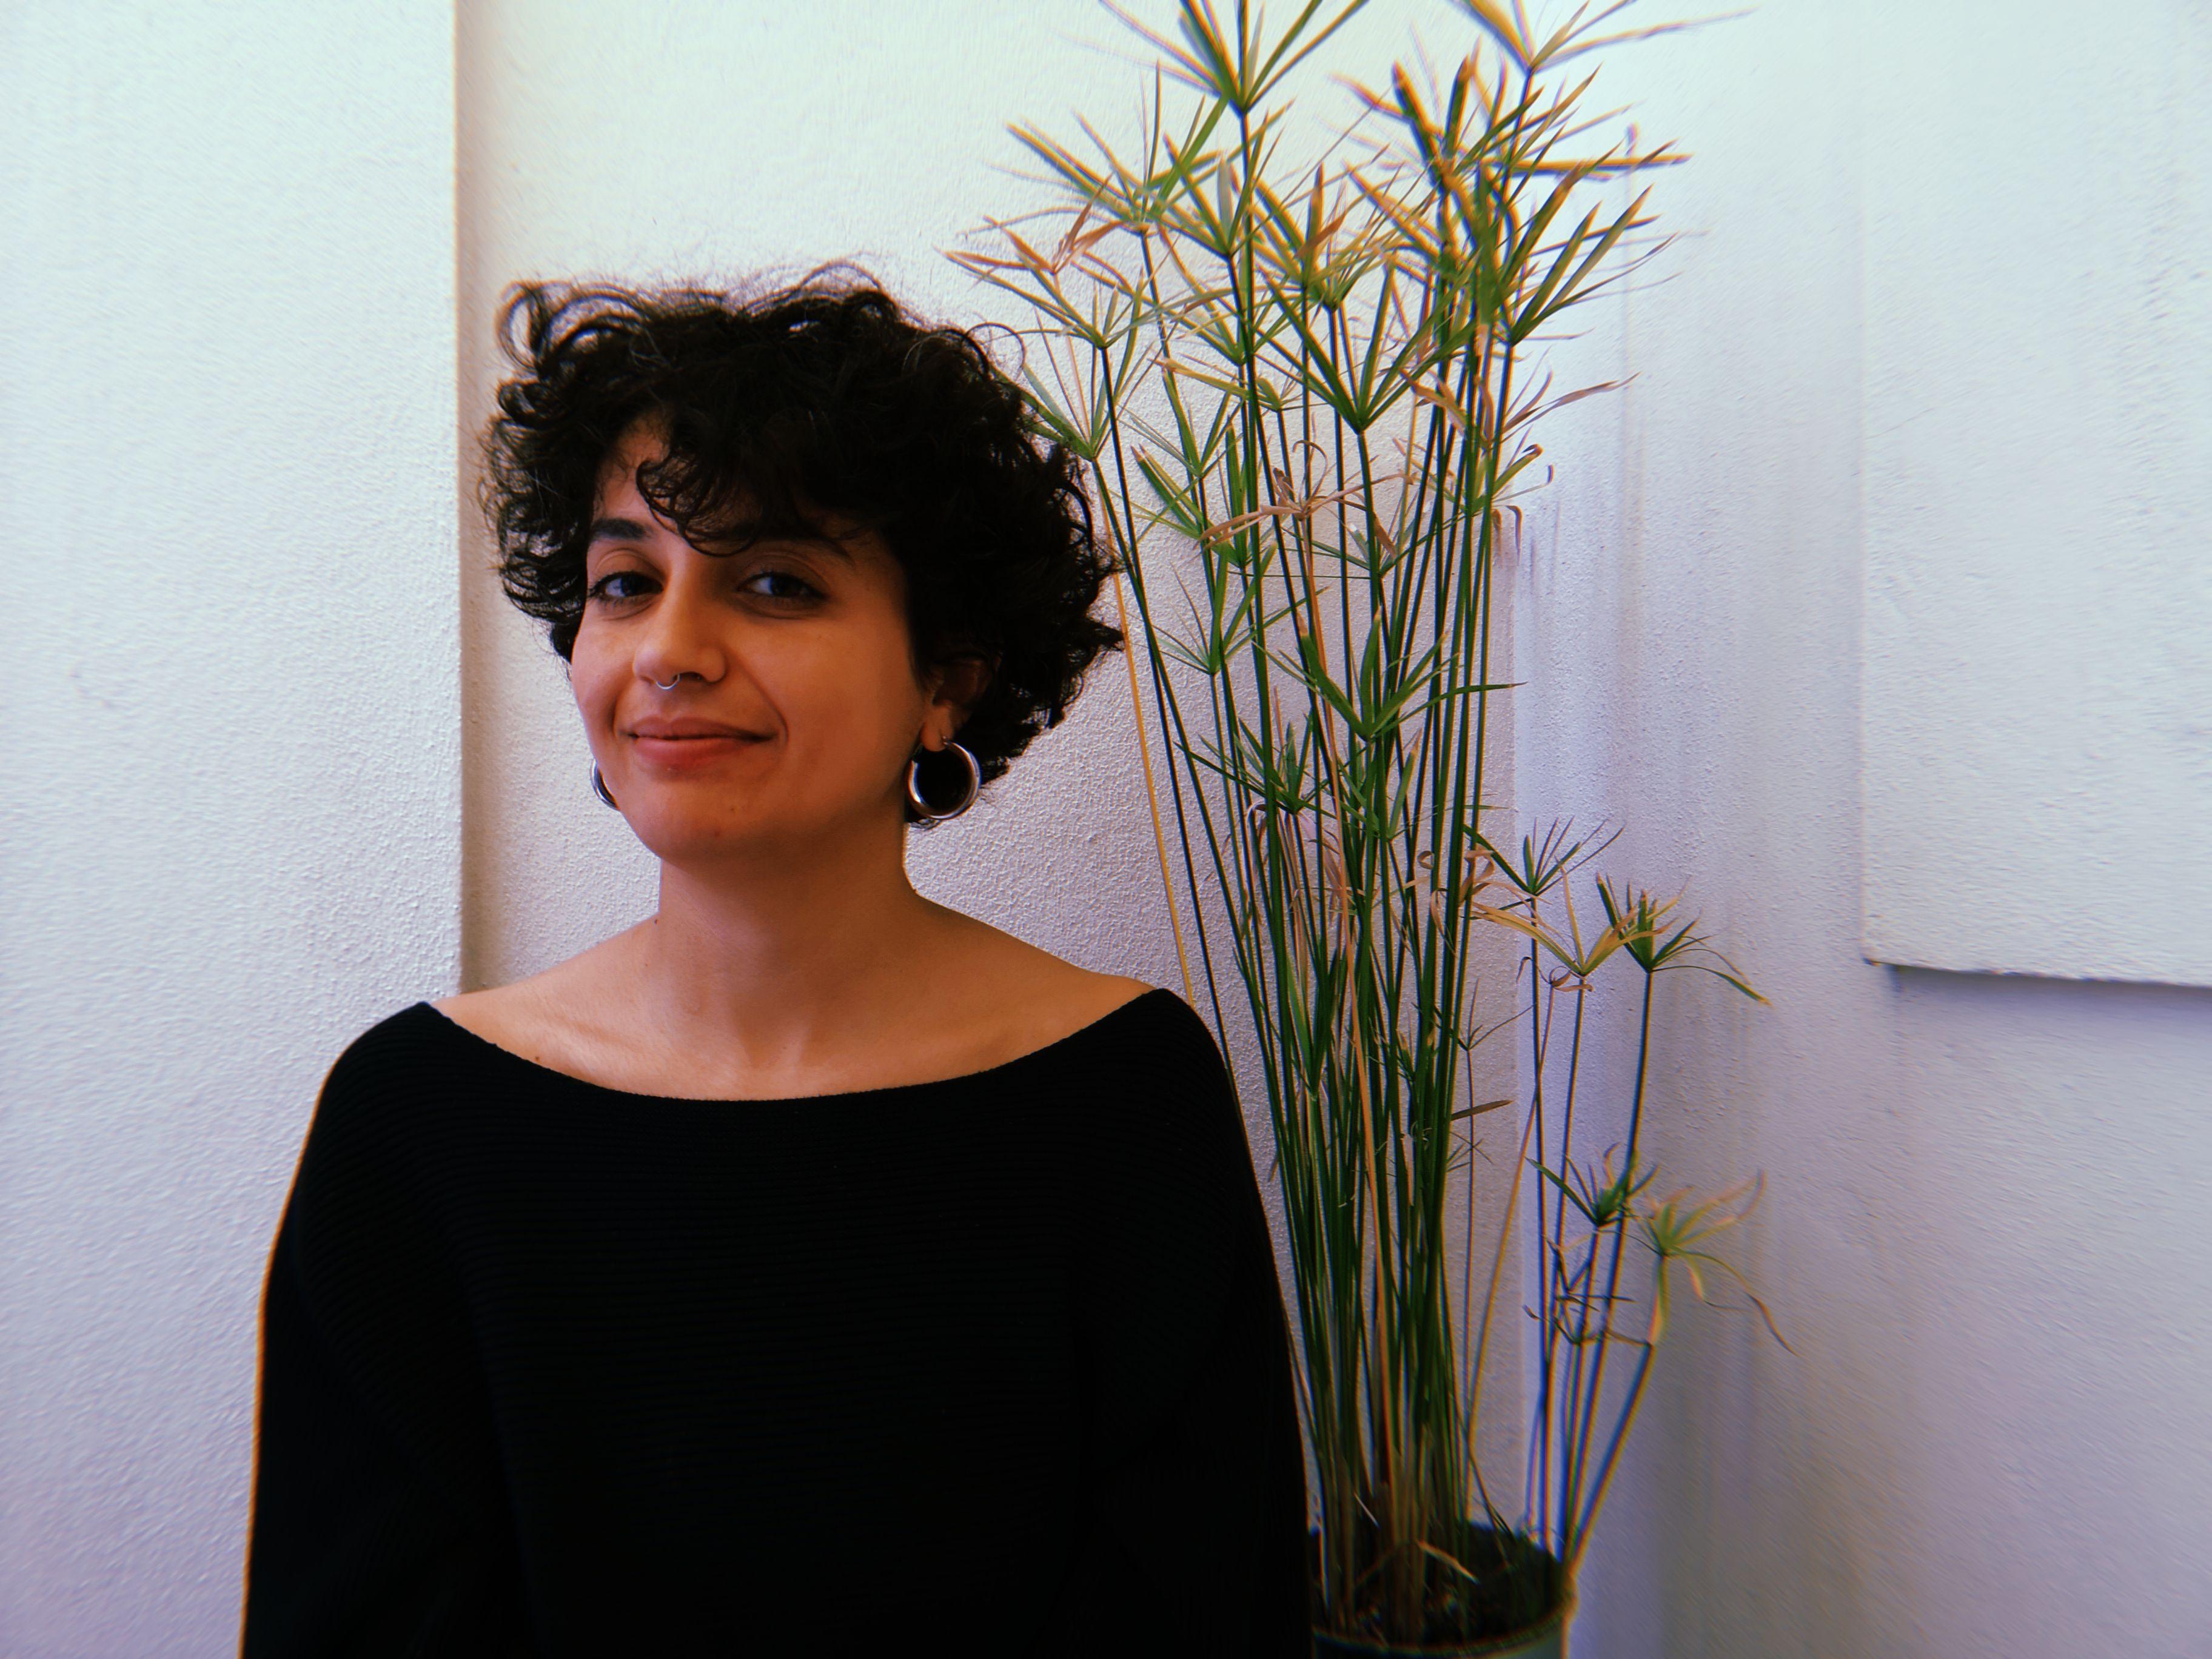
(620,512)
(640,445)
(641,442)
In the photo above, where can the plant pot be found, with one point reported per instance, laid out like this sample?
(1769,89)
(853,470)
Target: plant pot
(1547,1640)
(1536,1573)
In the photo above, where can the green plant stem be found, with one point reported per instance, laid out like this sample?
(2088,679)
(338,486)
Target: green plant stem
(1619,1235)
(1611,1457)
(1551,1246)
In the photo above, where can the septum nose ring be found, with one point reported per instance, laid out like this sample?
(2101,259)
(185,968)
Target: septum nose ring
(671,684)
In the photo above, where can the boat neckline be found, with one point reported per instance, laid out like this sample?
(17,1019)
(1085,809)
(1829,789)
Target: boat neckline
(969,1078)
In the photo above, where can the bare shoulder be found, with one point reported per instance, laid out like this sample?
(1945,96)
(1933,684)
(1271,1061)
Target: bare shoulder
(1046,996)
(494,1013)
(1090,992)
(537,1017)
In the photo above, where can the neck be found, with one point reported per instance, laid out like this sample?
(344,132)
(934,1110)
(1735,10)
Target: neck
(778,961)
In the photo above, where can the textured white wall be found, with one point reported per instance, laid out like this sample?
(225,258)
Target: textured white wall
(231,835)
(2039,493)
(231,828)
(1983,1227)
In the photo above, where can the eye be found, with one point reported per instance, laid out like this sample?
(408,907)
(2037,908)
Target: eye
(796,589)
(605,589)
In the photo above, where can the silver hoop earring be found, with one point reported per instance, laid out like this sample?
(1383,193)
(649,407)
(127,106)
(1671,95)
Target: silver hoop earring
(671,684)
(600,786)
(931,814)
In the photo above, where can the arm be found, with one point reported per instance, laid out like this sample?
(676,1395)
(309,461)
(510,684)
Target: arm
(368,1535)
(1196,1514)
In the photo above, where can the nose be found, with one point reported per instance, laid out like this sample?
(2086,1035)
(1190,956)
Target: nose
(680,637)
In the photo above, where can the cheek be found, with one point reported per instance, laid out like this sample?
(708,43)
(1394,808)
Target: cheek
(877,679)
(853,677)
(595,681)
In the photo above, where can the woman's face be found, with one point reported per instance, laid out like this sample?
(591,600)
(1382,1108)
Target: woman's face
(795,705)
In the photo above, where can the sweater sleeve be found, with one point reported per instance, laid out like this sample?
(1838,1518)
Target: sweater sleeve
(1195,1537)
(374,1526)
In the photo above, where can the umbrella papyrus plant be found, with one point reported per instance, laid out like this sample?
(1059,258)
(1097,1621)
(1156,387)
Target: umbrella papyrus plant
(1302,371)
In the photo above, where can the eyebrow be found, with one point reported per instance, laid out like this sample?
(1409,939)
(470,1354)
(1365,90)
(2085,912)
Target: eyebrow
(616,530)
(629,530)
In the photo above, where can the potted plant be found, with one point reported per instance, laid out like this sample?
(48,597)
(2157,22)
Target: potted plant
(1300,375)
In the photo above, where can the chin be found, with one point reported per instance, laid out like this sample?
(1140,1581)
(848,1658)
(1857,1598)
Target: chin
(704,832)
(682,837)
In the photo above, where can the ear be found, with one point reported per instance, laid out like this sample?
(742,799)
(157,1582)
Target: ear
(957,685)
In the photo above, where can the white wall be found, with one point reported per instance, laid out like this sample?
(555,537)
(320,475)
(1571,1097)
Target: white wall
(2038,494)
(230,834)
(1983,1227)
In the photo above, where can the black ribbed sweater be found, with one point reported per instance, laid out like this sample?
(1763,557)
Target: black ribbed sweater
(995,1365)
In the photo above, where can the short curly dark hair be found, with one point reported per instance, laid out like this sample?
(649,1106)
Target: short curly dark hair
(781,405)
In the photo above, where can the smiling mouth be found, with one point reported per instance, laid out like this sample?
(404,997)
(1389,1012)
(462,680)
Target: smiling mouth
(694,737)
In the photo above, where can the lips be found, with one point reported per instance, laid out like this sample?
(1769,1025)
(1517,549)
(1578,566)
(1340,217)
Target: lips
(675,746)
(688,727)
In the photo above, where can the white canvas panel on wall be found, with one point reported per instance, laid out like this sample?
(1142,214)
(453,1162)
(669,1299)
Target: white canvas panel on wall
(2037,688)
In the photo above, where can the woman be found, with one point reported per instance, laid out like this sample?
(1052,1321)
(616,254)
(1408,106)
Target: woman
(811,1267)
